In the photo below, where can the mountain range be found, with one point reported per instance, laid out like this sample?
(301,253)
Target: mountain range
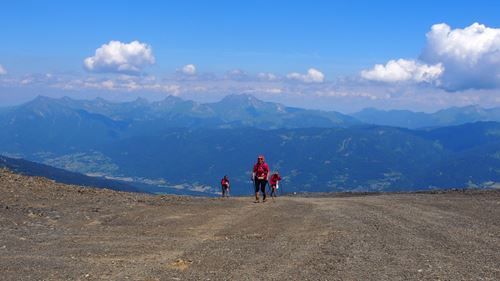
(414,120)
(232,111)
(180,146)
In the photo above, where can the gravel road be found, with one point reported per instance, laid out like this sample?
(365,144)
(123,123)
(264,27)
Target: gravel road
(51,231)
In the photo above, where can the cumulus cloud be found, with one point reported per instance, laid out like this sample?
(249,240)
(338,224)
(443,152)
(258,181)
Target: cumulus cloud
(2,70)
(120,57)
(403,70)
(312,76)
(454,59)
(471,56)
(189,69)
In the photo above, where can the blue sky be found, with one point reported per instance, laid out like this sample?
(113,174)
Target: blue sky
(228,43)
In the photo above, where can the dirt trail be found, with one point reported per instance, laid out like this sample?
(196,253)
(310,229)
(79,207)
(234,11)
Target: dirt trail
(57,232)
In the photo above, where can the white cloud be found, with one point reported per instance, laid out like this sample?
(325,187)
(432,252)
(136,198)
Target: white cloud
(403,70)
(469,45)
(108,84)
(273,90)
(119,84)
(120,57)
(312,76)
(256,89)
(454,59)
(189,69)
(237,75)
(267,76)
(471,55)
(2,70)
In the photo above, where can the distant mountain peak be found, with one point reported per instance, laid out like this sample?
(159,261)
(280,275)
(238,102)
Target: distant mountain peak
(43,102)
(100,99)
(41,98)
(170,99)
(66,98)
(141,100)
(241,100)
(240,97)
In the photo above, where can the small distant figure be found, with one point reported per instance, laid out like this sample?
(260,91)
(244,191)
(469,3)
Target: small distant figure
(274,183)
(260,176)
(225,186)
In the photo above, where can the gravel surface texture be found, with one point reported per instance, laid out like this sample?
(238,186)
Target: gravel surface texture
(51,231)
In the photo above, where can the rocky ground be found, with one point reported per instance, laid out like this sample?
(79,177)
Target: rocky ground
(51,231)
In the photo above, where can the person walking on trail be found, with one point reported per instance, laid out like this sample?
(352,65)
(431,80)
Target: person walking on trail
(225,186)
(274,183)
(260,176)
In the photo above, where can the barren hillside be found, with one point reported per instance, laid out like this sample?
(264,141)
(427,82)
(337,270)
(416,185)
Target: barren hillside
(51,231)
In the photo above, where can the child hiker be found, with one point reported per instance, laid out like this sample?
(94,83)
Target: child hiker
(225,186)
(274,183)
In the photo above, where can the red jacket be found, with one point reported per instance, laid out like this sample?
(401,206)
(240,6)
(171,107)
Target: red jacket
(224,182)
(274,179)
(261,170)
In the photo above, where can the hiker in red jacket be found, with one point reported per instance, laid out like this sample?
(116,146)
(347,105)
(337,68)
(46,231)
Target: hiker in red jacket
(225,186)
(274,183)
(260,176)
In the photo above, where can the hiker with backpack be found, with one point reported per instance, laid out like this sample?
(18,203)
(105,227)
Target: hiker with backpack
(225,186)
(274,183)
(260,176)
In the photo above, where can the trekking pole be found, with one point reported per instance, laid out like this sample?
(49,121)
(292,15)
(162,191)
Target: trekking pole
(269,189)
(252,187)
(273,192)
